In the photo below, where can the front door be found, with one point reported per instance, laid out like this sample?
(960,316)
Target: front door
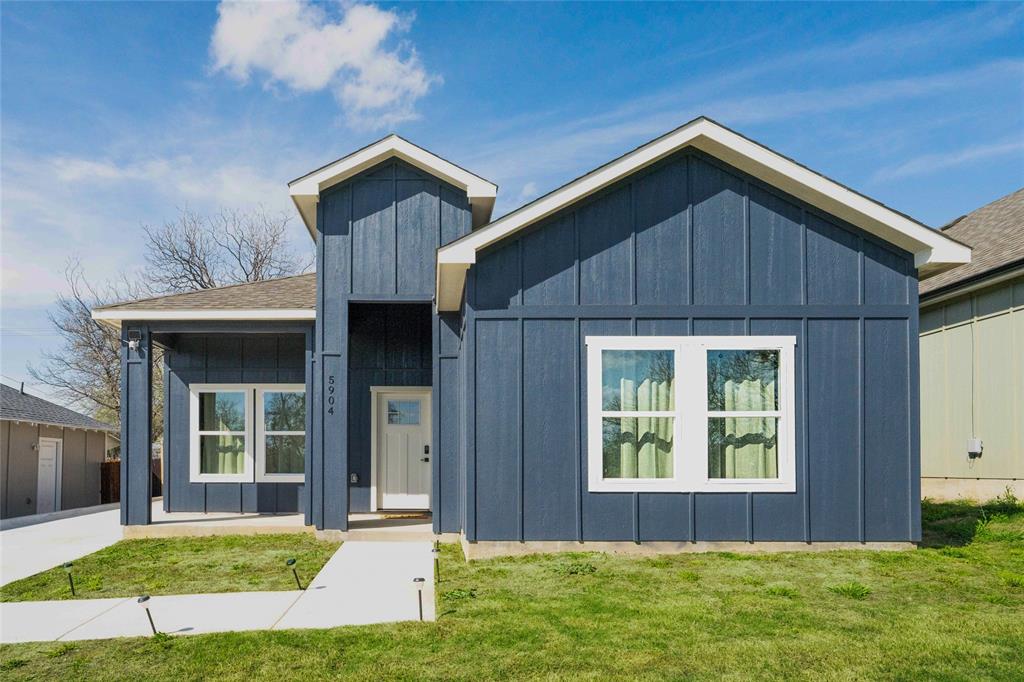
(403,449)
(47,486)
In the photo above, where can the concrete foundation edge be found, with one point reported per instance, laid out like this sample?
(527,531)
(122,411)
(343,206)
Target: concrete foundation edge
(504,548)
(977,489)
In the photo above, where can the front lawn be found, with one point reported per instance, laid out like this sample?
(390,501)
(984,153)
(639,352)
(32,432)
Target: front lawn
(951,610)
(226,563)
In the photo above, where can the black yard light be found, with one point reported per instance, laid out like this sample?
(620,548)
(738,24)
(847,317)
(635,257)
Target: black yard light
(291,564)
(437,561)
(419,592)
(71,580)
(143,601)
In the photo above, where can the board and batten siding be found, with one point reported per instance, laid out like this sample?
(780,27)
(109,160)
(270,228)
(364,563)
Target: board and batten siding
(972,384)
(228,358)
(377,238)
(692,247)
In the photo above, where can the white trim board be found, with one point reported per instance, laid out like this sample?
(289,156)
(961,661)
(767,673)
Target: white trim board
(305,191)
(115,316)
(375,393)
(933,251)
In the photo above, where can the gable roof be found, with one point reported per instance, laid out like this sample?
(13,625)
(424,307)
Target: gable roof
(933,251)
(996,235)
(18,406)
(305,191)
(285,298)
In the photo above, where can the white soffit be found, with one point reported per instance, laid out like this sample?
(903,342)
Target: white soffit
(933,252)
(114,317)
(305,191)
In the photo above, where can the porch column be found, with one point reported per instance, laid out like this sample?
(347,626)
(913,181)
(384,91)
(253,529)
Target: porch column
(136,424)
(330,400)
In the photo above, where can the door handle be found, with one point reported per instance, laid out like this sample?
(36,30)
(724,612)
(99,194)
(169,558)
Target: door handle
(424,459)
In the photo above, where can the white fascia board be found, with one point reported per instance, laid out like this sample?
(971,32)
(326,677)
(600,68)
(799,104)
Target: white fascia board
(932,250)
(206,315)
(305,191)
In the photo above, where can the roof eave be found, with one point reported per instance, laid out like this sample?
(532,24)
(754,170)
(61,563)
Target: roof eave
(933,252)
(305,191)
(114,317)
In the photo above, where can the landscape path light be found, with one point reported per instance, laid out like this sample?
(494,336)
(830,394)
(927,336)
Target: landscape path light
(419,593)
(291,564)
(437,561)
(71,580)
(143,601)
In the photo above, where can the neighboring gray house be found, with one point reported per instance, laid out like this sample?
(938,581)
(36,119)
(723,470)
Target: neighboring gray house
(701,341)
(50,456)
(972,360)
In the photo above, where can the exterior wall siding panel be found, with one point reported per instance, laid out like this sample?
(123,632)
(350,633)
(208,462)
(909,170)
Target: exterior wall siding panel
(691,246)
(225,358)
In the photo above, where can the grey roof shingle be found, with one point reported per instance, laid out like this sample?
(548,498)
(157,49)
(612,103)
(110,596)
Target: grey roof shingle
(995,232)
(286,293)
(19,406)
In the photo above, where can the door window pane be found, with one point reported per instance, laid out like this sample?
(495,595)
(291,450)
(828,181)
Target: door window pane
(284,411)
(634,380)
(221,454)
(404,412)
(637,447)
(743,447)
(285,454)
(743,380)
(222,411)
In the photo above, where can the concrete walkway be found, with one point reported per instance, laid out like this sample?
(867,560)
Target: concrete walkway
(364,582)
(29,549)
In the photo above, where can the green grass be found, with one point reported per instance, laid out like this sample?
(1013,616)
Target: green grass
(227,563)
(951,610)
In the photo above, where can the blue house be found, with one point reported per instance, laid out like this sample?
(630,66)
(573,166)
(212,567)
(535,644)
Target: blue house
(701,342)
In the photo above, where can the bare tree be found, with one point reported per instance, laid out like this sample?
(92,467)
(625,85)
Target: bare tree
(231,247)
(190,253)
(86,370)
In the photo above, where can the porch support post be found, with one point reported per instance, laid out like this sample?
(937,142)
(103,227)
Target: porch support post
(136,425)
(330,384)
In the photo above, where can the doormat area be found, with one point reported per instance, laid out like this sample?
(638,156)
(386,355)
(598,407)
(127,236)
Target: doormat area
(409,515)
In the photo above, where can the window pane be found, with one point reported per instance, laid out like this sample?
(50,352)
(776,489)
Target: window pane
(284,411)
(404,412)
(743,447)
(637,447)
(222,411)
(221,454)
(743,380)
(634,380)
(285,454)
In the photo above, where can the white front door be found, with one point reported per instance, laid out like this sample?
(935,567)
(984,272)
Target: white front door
(48,482)
(404,449)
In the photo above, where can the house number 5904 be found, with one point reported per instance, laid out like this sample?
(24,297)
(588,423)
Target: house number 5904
(330,394)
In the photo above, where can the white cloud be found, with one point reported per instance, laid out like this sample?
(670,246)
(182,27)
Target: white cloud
(303,47)
(931,163)
(528,192)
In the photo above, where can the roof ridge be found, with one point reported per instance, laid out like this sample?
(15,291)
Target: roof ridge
(199,291)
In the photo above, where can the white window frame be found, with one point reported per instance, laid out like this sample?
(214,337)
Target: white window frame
(254,434)
(195,475)
(690,428)
(262,433)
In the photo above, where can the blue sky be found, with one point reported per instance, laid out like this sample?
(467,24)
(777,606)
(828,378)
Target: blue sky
(116,114)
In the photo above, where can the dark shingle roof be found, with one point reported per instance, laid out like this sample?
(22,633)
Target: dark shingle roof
(20,406)
(994,231)
(287,293)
